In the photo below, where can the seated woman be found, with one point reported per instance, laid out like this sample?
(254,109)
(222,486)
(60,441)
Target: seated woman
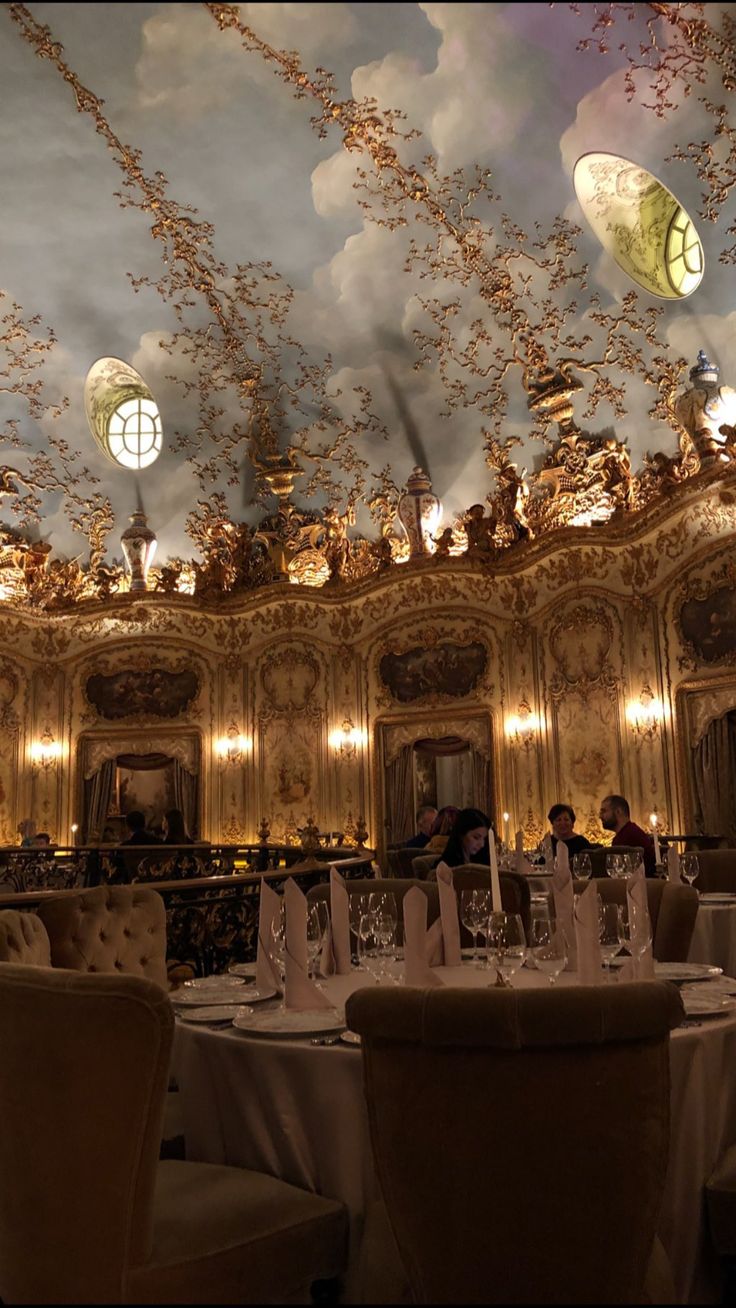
(467,842)
(561,818)
(441,828)
(175,832)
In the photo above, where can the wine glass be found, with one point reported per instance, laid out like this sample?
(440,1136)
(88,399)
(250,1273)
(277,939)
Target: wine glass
(472,916)
(317,924)
(548,947)
(690,867)
(616,864)
(278,946)
(582,868)
(609,931)
(357,908)
(369,948)
(636,932)
(506,943)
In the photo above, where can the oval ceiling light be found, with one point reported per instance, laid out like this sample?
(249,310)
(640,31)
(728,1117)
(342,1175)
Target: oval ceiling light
(640,223)
(122,414)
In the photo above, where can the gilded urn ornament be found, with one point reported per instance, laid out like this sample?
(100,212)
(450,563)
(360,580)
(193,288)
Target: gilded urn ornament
(419,513)
(139,546)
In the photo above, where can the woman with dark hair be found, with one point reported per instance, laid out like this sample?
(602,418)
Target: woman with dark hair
(441,828)
(175,833)
(561,818)
(468,840)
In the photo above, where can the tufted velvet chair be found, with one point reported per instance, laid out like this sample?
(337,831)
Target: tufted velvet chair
(717,870)
(108,929)
(672,908)
(551,1102)
(23,939)
(87,1212)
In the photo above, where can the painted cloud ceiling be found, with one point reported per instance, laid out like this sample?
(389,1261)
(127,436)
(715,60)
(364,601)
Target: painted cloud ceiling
(368,349)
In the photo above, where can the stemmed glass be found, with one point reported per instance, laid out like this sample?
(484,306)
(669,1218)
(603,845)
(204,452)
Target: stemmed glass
(278,942)
(369,946)
(582,868)
(609,931)
(617,864)
(635,932)
(317,924)
(506,943)
(357,908)
(548,947)
(690,867)
(473,913)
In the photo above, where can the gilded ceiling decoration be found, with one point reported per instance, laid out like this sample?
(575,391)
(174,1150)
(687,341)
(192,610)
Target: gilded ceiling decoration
(497,322)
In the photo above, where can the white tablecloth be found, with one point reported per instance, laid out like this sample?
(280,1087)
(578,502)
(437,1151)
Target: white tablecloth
(297,1111)
(714,937)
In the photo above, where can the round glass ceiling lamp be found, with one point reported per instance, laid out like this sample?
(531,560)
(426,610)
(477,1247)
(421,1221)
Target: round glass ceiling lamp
(641,224)
(122,414)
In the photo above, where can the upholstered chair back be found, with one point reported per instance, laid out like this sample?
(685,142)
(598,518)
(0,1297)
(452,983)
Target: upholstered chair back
(401,861)
(515,893)
(78,1156)
(717,870)
(23,939)
(397,886)
(672,909)
(537,1097)
(108,929)
(422,865)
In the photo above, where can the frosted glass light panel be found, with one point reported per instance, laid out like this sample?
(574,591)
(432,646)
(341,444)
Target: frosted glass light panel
(122,414)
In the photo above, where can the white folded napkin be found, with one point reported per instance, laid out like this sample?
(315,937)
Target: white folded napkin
(339,922)
(546,848)
(449,917)
(523,866)
(268,976)
(562,857)
(300,991)
(417,970)
(564,898)
(638,907)
(587,937)
(673,865)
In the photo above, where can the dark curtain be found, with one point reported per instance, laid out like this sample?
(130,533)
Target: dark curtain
(400,796)
(143,762)
(97,795)
(714,771)
(443,747)
(185,795)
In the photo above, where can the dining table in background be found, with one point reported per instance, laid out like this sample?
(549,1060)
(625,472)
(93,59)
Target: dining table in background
(714,936)
(296,1110)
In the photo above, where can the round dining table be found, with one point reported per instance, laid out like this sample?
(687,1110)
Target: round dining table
(295,1109)
(714,935)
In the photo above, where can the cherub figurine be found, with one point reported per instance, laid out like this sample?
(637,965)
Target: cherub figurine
(480,531)
(444,543)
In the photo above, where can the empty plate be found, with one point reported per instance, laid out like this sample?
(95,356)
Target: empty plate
(210,1013)
(285,1022)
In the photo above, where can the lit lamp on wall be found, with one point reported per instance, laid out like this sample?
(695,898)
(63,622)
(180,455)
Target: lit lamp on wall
(45,751)
(645,714)
(345,740)
(74,829)
(233,748)
(521,727)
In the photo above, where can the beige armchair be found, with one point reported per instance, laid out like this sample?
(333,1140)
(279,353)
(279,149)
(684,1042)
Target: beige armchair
(87,1212)
(108,929)
(543,1180)
(23,939)
(672,909)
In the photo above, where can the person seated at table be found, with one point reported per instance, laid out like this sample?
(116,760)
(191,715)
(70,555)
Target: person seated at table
(561,818)
(441,828)
(615,816)
(42,840)
(26,829)
(139,833)
(175,832)
(467,842)
(425,821)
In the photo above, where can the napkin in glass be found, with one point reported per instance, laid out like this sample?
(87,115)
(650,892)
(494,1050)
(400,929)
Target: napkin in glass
(268,976)
(587,938)
(300,991)
(418,941)
(673,865)
(449,920)
(638,909)
(339,923)
(564,898)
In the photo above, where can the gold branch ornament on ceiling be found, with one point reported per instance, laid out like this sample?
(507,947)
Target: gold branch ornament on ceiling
(682,49)
(524,281)
(244,345)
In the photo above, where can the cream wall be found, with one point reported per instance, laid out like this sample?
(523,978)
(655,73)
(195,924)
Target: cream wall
(574,627)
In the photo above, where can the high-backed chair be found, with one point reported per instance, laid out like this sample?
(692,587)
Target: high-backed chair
(673,909)
(397,886)
(400,861)
(108,929)
(515,893)
(592,1147)
(423,864)
(87,1213)
(23,939)
(717,870)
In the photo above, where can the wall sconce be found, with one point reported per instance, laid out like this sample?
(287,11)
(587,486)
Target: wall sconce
(233,748)
(45,751)
(521,727)
(645,714)
(345,740)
